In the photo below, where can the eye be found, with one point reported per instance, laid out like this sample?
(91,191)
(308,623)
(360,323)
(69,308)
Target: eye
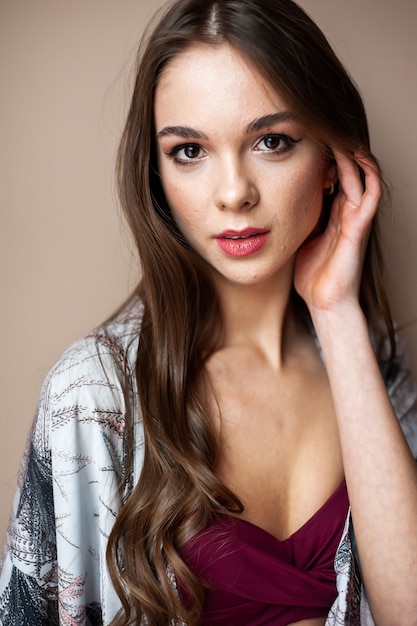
(186,153)
(276,143)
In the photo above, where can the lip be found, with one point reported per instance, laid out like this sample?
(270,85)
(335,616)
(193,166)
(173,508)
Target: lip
(239,243)
(245,232)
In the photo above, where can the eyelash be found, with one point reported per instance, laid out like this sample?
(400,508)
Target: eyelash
(173,154)
(289,144)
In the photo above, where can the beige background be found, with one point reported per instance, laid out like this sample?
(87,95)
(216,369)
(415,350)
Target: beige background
(65,261)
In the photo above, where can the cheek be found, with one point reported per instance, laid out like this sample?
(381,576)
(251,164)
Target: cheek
(306,190)
(185,205)
(301,197)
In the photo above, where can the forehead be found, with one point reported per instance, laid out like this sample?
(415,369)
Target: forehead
(206,79)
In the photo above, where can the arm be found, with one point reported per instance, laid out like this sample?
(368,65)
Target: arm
(28,582)
(68,496)
(380,472)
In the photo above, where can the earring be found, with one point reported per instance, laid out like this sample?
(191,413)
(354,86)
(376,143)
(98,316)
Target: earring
(329,191)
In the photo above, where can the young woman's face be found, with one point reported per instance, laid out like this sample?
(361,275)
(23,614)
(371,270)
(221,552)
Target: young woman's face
(242,177)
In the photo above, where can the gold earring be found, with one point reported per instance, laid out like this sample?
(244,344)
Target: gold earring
(329,191)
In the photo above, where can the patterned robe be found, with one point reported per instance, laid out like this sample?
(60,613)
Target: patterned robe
(53,565)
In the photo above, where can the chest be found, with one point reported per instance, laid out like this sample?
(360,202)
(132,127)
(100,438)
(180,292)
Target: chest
(279,448)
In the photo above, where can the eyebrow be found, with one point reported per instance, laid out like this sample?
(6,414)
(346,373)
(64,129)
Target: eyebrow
(181,131)
(269,120)
(260,123)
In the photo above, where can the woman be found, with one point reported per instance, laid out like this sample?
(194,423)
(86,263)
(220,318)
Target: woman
(232,437)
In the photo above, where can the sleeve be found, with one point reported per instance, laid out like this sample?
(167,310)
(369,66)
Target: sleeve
(71,487)
(28,580)
(402,391)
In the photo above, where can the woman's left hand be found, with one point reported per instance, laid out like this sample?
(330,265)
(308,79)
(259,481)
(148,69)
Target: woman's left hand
(328,267)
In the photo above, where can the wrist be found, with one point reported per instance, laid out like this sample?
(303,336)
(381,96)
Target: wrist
(343,324)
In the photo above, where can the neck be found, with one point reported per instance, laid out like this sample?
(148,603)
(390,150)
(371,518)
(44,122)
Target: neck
(261,315)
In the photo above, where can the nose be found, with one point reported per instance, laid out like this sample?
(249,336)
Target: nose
(235,190)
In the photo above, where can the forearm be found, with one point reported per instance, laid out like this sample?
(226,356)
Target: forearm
(380,472)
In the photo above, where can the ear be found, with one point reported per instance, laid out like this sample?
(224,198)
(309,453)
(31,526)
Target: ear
(330,178)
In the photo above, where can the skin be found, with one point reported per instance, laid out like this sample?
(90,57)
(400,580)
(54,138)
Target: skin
(289,430)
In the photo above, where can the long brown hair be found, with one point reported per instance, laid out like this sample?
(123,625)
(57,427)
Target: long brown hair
(178,491)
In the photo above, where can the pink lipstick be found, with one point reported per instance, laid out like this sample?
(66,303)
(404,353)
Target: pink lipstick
(242,242)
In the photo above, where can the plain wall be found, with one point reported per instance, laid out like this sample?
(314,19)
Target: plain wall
(66,262)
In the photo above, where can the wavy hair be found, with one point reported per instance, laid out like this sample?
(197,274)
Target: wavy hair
(178,491)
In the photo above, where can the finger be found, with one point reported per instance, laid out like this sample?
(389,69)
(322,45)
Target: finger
(373,185)
(349,178)
(367,198)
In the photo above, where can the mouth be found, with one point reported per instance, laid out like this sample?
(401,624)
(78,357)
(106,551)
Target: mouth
(240,243)
(241,234)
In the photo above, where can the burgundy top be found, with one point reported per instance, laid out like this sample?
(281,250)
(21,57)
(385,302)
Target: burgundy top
(259,580)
